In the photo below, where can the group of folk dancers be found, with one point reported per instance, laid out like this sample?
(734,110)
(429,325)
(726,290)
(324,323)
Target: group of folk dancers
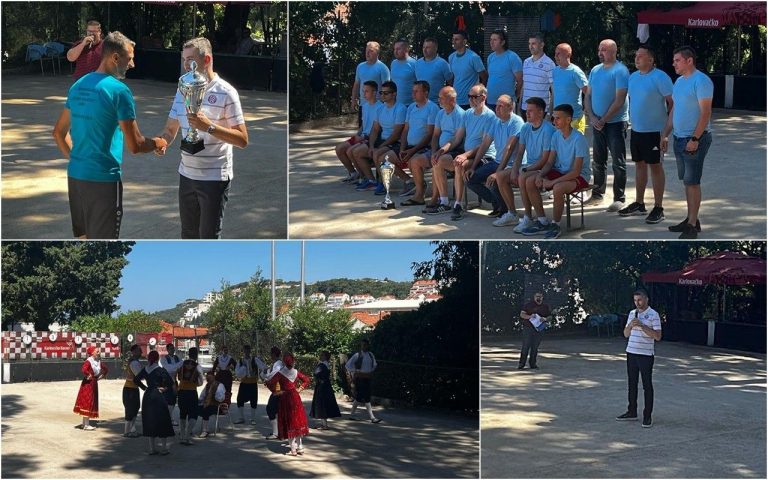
(168,380)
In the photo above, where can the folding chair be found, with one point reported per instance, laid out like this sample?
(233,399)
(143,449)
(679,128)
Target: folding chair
(224,410)
(54,51)
(578,197)
(35,52)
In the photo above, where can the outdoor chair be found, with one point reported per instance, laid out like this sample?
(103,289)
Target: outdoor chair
(578,198)
(35,52)
(595,321)
(54,51)
(611,321)
(224,409)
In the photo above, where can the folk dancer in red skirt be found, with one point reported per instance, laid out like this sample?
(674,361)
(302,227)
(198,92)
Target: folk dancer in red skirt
(291,418)
(87,403)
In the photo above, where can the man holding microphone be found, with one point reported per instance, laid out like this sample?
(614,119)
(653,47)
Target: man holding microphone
(643,329)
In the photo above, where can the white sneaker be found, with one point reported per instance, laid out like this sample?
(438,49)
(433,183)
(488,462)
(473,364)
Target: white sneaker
(506,220)
(522,224)
(615,206)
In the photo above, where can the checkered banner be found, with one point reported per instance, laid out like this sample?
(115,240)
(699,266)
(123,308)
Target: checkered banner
(58,345)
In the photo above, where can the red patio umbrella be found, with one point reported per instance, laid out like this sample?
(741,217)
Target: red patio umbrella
(724,268)
(707,15)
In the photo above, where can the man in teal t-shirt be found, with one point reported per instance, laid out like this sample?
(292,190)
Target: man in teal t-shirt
(98,113)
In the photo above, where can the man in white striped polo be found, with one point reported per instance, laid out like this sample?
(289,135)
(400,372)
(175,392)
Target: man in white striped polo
(643,330)
(537,74)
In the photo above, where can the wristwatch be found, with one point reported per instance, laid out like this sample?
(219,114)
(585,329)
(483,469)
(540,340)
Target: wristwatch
(694,139)
(211,129)
(525,169)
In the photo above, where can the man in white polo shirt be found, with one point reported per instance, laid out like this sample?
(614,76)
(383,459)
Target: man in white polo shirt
(204,178)
(537,74)
(643,330)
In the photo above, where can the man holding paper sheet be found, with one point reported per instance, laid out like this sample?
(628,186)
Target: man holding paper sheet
(534,314)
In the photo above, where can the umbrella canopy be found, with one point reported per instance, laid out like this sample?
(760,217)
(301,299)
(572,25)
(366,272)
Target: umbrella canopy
(724,268)
(707,15)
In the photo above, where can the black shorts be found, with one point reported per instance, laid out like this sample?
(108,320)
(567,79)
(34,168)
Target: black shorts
(395,146)
(131,402)
(363,390)
(644,147)
(188,404)
(272,406)
(96,208)
(248,392)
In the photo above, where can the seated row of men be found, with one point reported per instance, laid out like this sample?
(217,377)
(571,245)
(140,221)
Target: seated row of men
(476,145)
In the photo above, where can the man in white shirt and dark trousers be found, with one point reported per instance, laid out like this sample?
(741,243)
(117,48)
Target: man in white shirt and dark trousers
(643,329)
(204,178)
(361,366)
(171,363)
(272,404)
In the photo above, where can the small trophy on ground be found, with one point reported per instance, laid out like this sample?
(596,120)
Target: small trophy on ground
(387,170)
(192,88)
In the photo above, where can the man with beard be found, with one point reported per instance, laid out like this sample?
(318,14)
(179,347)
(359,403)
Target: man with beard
(534,313)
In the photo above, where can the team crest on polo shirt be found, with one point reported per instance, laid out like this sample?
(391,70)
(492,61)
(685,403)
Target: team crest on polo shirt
(541,65)
(211,98)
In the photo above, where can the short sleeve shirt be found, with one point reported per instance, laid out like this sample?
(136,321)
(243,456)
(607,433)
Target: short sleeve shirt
(369,116)
(567,84)
(638,342)
(403,73)
(378,72)
(566,151)
(88,61)
(449,123)
(537,79)
(435,72)
(536,142)
(419,119)
(647,106)
(686,94)
(388,117)
(541,310)
(501,74)
(476,126)
(503,131)
(465,69)
(603,83)
(97,103)
(221,104)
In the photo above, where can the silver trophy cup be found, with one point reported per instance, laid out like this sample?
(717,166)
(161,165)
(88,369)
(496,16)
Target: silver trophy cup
(387,170)
(192,88)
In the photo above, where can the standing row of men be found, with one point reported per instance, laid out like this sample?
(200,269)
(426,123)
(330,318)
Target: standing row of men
(408,129)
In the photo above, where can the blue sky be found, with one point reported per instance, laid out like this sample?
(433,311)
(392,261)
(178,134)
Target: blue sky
(161,274)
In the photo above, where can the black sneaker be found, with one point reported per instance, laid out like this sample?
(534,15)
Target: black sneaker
(521,367)
(497,212)
(656,215)
(626,416)
(681,226)
(458,212)
(440,209)
(647,422)
(634,208)
(689,232)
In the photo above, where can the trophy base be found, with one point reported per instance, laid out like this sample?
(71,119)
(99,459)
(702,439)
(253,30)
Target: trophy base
(192,147)
(387,206)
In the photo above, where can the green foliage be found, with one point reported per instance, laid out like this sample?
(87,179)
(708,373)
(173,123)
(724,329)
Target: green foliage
(45,282)
(314,329)
(128,322)
(373,286)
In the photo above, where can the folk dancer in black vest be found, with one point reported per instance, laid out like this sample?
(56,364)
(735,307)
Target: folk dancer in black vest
(249,369)
(272,403)
(131,402)
(360,367)
(222,368)
(171,363)
(190,376)
(210,398)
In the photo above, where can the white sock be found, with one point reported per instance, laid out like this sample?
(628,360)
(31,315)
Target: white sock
(325,422)
(163,443)
(274,426)
(543,220)
(127,427)
(301,445)
(456,203)
(370,410)
(151,444)
(444,200)
(86,421)
(182,429)
(292,443)
(170,411)
(253,414)
(354,408)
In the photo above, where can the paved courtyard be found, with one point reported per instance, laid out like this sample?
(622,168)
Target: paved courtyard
(39,441)
(733,189)
(34,173)
(558,421)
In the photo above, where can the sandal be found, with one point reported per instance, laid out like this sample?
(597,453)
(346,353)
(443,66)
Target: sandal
(411,202)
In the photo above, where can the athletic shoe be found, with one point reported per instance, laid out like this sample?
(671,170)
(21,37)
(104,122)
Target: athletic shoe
(506,220)
(656,215)
(535,228)
(522,225)
(408,190)
(634,208)
(366,185)
(626,416)
(496,212)
(458,213)
(352,177)
(593,200)
(238,421)
(380,190)
(438,210)
(270,437)
(647,422)
(615,206)
(375,420)
(689,232)
(681,226)
(253,421)
(552,231)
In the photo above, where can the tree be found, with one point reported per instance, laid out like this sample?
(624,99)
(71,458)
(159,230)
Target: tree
(45,282)
(314,329)
(127,322)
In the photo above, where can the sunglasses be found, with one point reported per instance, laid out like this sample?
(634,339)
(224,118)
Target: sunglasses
(384,92)
(476,96)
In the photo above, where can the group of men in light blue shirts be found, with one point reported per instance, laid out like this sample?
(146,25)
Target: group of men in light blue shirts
(474,132)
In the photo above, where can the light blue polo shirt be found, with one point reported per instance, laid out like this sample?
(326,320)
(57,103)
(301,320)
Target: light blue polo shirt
(369,116)
(449,123)
(418,120)
(566,87)
(501,74)
(502,131)
(566,151)
(388,117)
(686,94)
(647,107)
(476,126)
(378,72)
(436,72)
(404,76)
(97,103)
(536,141)
(465,69)
(603,83)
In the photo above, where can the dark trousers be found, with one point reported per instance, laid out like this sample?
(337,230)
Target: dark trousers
(610,138)
(272,405)
(188,404)
(531,341)
(206,412)
(476,183)
(642,366)
(248,392)
(201,207)
(131,402)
